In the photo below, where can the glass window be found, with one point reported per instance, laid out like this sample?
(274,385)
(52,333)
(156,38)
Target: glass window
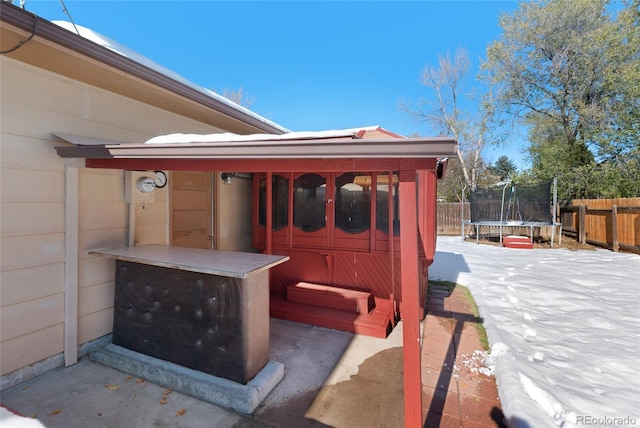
(353,202)
(279,201)
(384,186)
(309,191)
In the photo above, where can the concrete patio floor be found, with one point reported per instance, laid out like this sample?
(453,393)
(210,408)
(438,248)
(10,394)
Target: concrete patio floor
(332,379)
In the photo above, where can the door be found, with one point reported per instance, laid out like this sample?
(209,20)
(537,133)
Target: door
(191,209)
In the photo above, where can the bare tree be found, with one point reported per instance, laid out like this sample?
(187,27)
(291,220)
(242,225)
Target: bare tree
(239,97)
(444,112)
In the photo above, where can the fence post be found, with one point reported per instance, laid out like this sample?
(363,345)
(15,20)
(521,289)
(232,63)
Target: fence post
(614,227)
(582,216)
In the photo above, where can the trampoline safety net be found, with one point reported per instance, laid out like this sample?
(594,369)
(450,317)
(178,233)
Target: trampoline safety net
(526,203)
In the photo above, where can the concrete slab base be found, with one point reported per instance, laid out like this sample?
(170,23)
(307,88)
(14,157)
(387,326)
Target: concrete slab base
(215,390)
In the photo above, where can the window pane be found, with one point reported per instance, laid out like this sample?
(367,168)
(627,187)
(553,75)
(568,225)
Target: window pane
(309,192)
(383,187)
(279,198)
(353,202)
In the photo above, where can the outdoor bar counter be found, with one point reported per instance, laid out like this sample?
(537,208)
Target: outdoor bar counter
(202,309)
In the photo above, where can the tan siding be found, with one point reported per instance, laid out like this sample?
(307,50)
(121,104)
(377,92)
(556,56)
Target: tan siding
(237,242)
(102,215)
(22,285)
(96,324)
(21,252)
(96,185)
(31,316)
(150,234)
(95,298)
(238,225)
(36,103)
(21,352)
(152,220)
(19,152)
(33,226)
(86,110)
(95,270)
(23,218)
(21,91)
(48,121)
(101,238)
(22,185)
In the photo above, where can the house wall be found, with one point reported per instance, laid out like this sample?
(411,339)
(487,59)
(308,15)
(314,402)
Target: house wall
(34,103)
(233,214)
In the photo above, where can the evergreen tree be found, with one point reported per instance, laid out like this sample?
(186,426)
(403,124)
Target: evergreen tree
(504,168)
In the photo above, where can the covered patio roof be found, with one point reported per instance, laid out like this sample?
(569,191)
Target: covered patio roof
(296,151)
(291,152)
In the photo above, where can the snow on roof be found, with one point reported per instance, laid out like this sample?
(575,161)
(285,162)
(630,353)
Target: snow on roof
(141,59)
(229,137)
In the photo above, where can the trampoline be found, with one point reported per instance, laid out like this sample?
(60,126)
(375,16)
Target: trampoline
(514,206)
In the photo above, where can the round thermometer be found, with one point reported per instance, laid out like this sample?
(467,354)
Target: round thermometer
(161,179)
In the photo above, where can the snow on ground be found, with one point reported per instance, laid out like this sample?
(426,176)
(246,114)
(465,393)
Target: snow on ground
(563,326)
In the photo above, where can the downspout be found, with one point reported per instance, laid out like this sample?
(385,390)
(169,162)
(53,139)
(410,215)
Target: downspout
(131,207)
(71,261)
(131,241)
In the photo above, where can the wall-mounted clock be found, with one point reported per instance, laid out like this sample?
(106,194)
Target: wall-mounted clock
(160,179)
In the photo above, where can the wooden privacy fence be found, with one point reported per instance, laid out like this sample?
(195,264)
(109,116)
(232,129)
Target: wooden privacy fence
(609,223)
(450,223)
(450,218)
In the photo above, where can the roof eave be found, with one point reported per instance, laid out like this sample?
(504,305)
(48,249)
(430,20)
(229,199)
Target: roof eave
(283,149)
(26,21)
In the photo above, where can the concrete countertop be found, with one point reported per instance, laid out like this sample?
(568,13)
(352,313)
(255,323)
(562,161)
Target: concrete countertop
(224,263)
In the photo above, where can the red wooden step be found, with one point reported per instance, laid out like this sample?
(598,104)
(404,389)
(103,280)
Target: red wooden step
(513,241)
(361,302)
(377,323)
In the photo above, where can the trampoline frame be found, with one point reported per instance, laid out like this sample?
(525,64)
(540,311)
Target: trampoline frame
(511,223)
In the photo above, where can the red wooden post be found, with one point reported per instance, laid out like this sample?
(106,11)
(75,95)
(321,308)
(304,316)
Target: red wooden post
(427,202)
(269,213)
(410,300)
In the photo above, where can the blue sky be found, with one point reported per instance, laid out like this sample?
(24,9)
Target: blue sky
(309,66)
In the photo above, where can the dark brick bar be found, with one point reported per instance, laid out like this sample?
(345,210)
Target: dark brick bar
(202,309)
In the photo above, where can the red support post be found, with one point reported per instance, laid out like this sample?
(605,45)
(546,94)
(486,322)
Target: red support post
(269,213)
(410,300)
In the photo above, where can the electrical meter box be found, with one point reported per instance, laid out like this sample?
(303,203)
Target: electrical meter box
(139,187)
